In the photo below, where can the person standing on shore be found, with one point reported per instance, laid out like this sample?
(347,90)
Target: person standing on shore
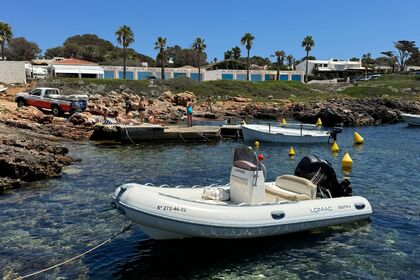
(189,112)
(127,105)
(208,104)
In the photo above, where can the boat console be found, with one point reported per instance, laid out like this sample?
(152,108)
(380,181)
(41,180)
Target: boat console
(247,178)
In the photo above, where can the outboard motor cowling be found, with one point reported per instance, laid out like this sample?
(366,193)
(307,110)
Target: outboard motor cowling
(334,131)
(322,174)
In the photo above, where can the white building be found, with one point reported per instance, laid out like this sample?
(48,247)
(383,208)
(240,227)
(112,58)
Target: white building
(333,68)
(76,68)
(142,73)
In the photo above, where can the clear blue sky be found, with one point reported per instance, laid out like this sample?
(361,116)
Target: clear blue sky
(341,29)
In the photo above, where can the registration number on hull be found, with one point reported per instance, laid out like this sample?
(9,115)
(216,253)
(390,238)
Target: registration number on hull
(171,208)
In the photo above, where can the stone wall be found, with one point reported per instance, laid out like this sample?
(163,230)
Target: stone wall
(12,72)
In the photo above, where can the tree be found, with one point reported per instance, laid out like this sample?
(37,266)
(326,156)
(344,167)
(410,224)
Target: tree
(160,45)
(354,59)
(415,58)
(182,57)
(392,60)
(6,35)
(290,59)
(125,37)
(21,49)
(228,55)
(236,53)
(307,43)
(199,46)
(247,40)
(367,62)
(280,55)
(405,49)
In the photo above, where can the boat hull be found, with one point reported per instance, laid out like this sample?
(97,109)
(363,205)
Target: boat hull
(410,119)
(283,135)
(160,214)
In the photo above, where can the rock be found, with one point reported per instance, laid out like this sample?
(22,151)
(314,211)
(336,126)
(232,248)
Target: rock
(9,183)
(406,90)
(30,160)
(45,119)
(240,99)
(77,118)
(168,96)
(181,99)
(391,88)
(209,115)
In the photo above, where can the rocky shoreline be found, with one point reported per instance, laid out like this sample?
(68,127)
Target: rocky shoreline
(27,158)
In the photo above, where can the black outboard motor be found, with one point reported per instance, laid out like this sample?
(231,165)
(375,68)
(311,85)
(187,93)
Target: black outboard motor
(321,173)
(333,133)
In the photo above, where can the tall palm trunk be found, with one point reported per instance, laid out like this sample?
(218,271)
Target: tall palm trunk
(124,55)
(2,50)
(247,66)
(163,66)
(306,75)
(278,72)
(199,75)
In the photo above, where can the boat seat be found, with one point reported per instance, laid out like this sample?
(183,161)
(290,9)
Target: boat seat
(293,188)
(243,164)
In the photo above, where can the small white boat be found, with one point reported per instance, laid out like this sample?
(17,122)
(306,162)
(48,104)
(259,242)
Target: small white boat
(279,134)
(247,207)
(411,119)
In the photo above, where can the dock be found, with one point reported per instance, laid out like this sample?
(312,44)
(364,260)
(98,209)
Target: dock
(157,133)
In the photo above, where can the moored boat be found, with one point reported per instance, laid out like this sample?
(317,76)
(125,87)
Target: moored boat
(291,134)
(247,207)
(411,119)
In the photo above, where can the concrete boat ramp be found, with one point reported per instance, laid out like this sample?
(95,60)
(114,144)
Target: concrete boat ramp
(152,133)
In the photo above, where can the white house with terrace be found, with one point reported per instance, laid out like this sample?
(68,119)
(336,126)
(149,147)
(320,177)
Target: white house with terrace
(332,68)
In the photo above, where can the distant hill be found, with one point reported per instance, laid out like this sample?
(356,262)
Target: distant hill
(91,47)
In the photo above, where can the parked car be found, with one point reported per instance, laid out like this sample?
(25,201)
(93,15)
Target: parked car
(50,98)
(367,78)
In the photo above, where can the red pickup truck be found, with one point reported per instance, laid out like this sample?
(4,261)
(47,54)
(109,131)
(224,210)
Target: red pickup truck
(50,98)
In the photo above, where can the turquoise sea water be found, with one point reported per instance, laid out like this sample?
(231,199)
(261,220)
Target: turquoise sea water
(51,220)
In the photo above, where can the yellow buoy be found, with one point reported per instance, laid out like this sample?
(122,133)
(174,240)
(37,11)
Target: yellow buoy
(318,122)
(347,162)
(283,121)
(335,148)
(291,152)
(257,144)
(358,139)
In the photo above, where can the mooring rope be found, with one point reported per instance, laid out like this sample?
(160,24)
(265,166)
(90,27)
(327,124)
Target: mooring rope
(180,135)
(126,132)
(124,229)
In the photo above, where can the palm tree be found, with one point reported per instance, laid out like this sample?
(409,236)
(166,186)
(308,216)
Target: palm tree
(307,43)
(125,37)
(280,59)
(367,62)
(199,46)
(5,35)
(160,45)
(247,40)
(290,59)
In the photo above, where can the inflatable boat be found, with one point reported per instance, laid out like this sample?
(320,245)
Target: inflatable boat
(247,207)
